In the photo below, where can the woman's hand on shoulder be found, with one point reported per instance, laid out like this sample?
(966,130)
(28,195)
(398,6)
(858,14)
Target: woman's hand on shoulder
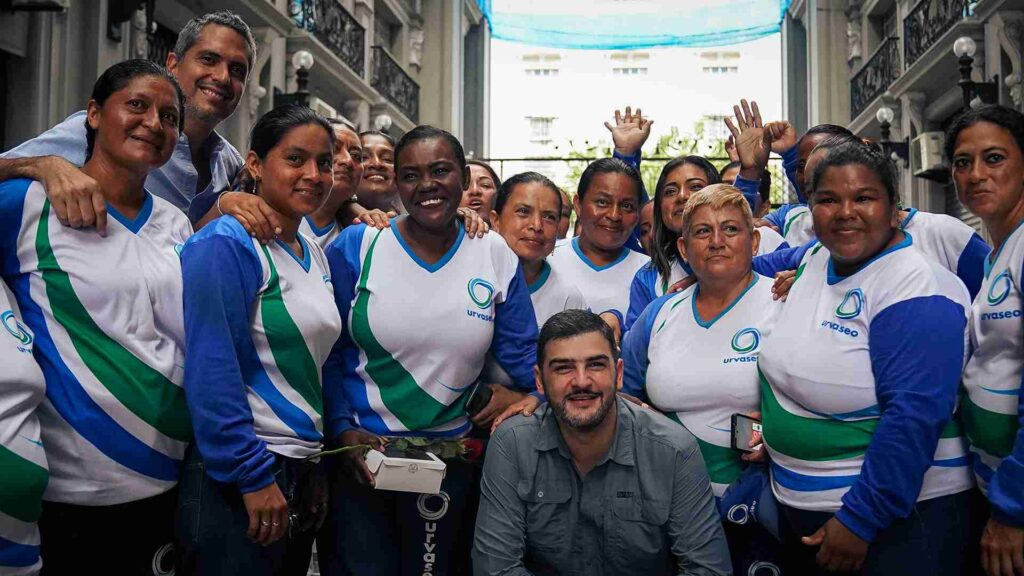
(525,406)
(476,227)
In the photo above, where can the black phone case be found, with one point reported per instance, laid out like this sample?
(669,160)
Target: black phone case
(735,421)
(479,397)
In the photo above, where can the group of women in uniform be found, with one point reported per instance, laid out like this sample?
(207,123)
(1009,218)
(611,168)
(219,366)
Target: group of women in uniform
(163,386)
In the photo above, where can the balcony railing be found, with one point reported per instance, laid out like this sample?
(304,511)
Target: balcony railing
(160,43)
(927,22)
(332,25)
(393,83)
(876,76)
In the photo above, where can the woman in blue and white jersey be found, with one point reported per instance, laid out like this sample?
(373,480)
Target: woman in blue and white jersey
(422,307)
(323,225)
(21,449)
(106,315)
(526,213)
(259,324)
(943,238)
(859,385)
(680,178)
(598,261)
(715,330)
(985,148)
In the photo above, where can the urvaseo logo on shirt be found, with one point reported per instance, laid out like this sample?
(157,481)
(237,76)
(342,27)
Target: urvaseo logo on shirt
(17,330)
(998,291)
(851,305)
(481,293)
(744,342)
(848,309)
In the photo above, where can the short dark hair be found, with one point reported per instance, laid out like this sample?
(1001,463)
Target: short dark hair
(859,153)
(486,166)
(612,166)
(424,132)
(383,135)
(729,166)
(829,129)
(120,75)
(1006,118)
(508,187)
(663,241)
(569,323)
(189,34)
(272,127)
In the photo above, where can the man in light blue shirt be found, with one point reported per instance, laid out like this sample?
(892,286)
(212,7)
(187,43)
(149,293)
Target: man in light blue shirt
(211,60)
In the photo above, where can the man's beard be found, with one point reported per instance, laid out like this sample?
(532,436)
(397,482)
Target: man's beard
(207,117)
(583,423)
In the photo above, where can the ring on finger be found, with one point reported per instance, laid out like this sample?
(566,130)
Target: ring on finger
(264,523)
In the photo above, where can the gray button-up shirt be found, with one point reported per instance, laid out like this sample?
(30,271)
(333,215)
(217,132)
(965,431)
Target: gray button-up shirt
(175,181)
(645,508)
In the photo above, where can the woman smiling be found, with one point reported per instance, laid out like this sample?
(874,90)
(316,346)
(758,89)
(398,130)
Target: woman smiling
(422,308)
(857,407)
(714,329)
(106,314)
(260,323)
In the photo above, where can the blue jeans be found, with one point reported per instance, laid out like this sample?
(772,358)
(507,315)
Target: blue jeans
(372,532)
(212,523)
(935,539)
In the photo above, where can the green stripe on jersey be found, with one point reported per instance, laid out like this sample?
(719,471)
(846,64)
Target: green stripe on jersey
(141,389)
(22,486)
(814,439)
(991,431)
(403,397)
(723,464)
(287,345)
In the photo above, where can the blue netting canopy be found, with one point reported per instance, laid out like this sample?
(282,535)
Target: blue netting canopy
(627,24)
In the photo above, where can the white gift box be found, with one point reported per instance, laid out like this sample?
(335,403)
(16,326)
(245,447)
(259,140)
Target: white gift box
(419,472)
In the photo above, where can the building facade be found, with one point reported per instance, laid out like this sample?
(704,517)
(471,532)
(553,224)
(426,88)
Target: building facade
(382,64)
(844,60)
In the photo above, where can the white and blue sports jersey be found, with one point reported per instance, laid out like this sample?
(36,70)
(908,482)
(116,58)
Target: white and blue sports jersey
(860,381)
(605,288)
(22,458)
(550,294)
(648,285)
(699,372)
(109,337)
(941,238)
(260,322)
(322,236)
(416,334)
(951,243)
(770,241)
(994,404)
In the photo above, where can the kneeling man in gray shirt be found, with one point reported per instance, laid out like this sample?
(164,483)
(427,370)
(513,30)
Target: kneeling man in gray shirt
(592,484)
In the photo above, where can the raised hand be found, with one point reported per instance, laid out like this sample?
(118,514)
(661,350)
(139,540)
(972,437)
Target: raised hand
(783,136)
(630,131)
(753,141)
(730,149)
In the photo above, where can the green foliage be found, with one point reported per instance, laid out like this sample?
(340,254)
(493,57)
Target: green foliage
(655,154)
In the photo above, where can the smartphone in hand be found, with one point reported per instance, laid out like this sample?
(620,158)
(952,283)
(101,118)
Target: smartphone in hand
(743,428)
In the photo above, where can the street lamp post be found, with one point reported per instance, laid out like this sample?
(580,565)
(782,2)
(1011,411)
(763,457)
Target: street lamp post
(893,150)
(302,61)
(986,92)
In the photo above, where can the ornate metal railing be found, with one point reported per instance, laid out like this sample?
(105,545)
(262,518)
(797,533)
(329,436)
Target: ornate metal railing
(160,43)
(876,76)
(332,25)
(393,83)
(927,22)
